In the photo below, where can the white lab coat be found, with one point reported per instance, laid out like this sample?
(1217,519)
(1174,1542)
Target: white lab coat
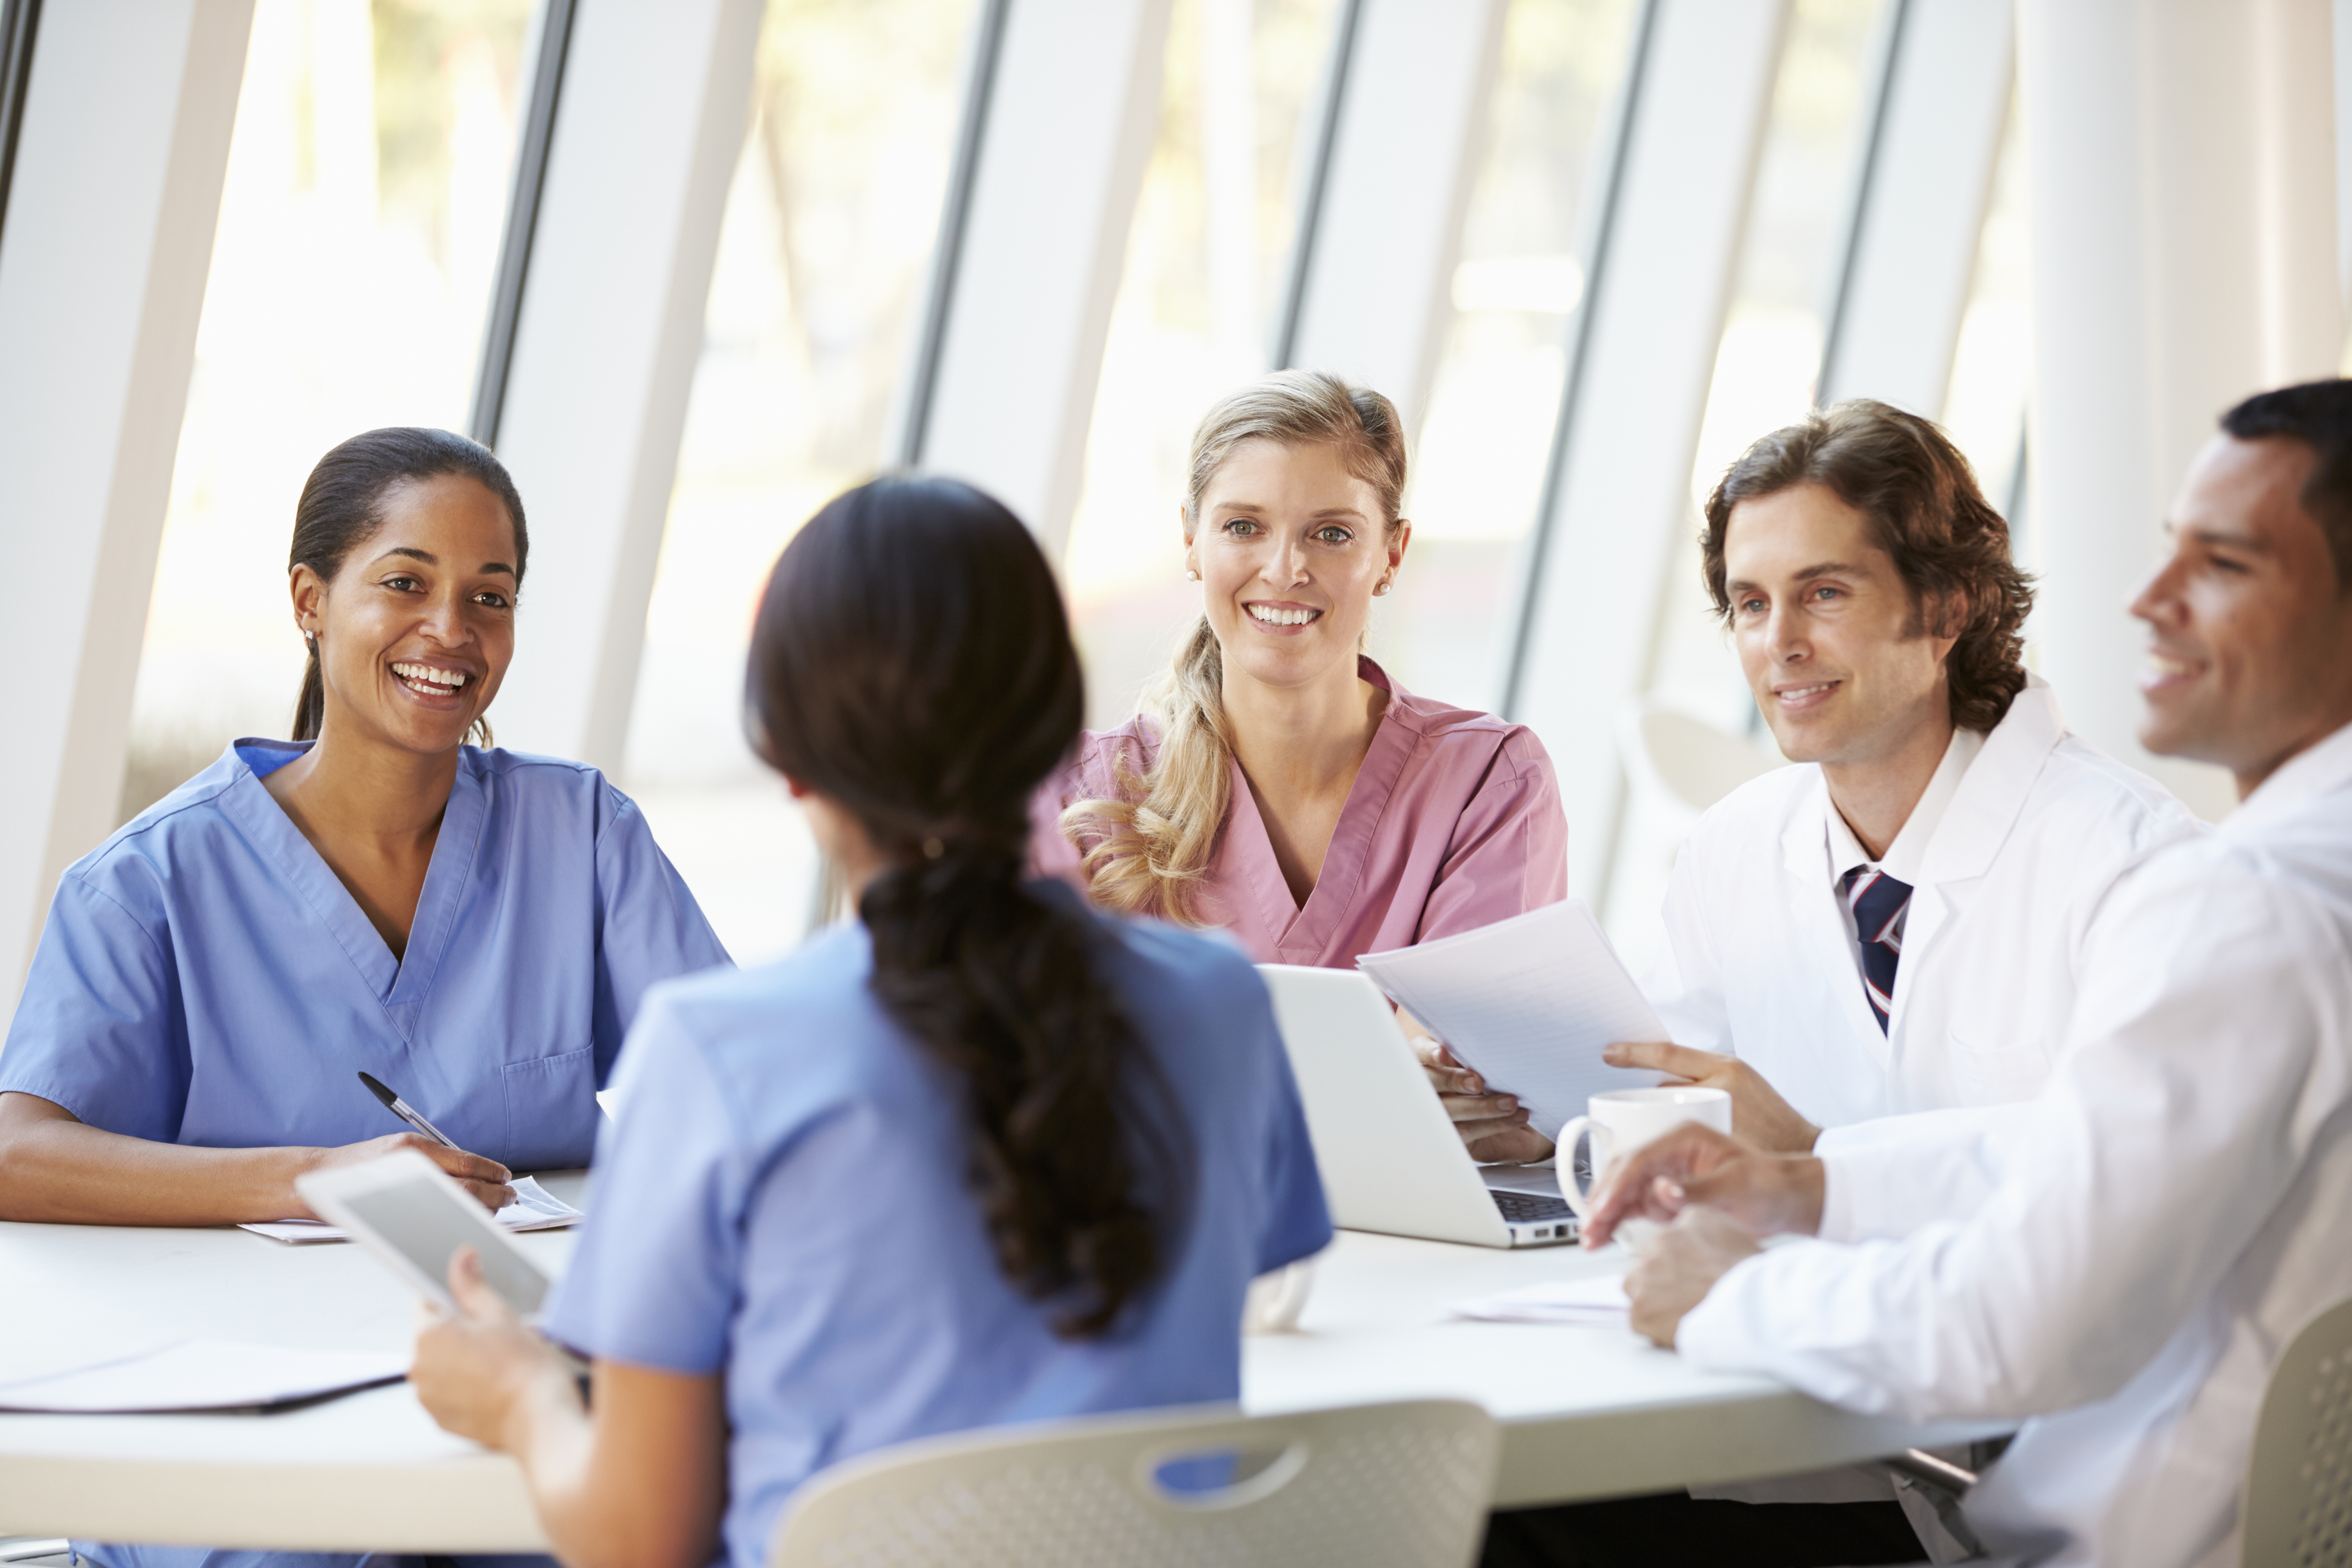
(2122,1259)
(1760,960)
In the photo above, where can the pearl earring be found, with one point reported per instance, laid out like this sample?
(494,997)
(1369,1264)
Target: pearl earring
(1190,577)
(1381,587)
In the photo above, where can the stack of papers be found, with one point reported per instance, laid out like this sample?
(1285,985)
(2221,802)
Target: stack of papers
(1527,1002)
(1587,1299)
(534,1208)
(203,1374)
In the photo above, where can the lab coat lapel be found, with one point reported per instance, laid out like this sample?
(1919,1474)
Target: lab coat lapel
(1977,822)
(446,879)
(1817,925)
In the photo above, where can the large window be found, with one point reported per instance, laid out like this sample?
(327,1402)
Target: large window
(1985,408)
(1767,373)
(1194,317)
(823,256)
(359,233)
(1479,467)
(1768,368)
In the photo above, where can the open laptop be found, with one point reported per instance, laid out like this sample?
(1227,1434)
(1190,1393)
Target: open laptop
(1391,1159)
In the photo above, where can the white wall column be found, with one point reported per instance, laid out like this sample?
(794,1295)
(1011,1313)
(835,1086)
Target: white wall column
(1415,97)
(108,237)
(652,118)
(2181,175)
(1919,204)
(1621,500)
(1071,111)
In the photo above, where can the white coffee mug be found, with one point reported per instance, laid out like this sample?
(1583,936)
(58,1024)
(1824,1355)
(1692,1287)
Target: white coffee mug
(1622,1119)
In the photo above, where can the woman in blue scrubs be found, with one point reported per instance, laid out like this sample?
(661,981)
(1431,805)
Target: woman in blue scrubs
(982,1155)
(475,928)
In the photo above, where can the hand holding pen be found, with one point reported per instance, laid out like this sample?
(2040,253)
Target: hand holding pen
(486,1180)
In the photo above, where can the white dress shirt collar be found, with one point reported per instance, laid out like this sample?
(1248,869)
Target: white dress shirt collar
(1905,857)
(2302,778)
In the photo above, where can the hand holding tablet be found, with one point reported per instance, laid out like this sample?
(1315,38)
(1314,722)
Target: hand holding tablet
(413,1217)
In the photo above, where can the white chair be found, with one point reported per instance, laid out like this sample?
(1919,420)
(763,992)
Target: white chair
(2297,1506)
(1686,760)
(1378,1486)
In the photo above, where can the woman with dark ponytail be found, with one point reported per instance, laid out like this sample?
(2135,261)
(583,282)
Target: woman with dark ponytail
(980,1155)
(472,927)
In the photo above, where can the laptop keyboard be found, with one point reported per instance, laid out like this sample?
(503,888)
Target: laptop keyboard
(1516,1206)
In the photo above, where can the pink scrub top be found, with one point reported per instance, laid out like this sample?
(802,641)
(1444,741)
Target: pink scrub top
(1454,821)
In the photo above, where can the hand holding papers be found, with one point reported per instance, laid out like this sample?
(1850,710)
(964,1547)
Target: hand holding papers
(1527,1002)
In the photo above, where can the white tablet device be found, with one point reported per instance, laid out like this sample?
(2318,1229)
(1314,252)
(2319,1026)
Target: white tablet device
(414,1217)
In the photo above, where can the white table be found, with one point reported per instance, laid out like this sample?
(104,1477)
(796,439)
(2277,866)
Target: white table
(1588,1412)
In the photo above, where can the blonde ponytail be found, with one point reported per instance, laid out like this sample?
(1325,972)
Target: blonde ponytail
(1153,842)
(1146,850)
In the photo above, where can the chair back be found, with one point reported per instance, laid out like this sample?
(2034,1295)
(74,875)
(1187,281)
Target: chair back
(2297,1506)
(1378,1485)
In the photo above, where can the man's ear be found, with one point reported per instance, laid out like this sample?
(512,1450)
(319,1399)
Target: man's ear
(1948,614)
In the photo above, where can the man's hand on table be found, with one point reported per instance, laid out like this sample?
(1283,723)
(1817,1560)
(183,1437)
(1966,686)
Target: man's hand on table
(1759,1114)
(1679,1266)
(1762,1193)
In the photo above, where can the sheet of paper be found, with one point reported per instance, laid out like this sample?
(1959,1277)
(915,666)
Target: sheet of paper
(1587,1298)
(203,1374)
(1528,1003)
(534,1208)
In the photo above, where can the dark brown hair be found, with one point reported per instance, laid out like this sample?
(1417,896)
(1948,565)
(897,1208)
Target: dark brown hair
(343,506)
(2319,415)
(912,663)
(1903,473)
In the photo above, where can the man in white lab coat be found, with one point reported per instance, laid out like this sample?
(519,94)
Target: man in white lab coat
(2119,1262)
(1896,925)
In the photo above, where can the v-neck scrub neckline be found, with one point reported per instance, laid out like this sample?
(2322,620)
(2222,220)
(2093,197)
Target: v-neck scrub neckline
(205,978)
(403,982)
(1454,821)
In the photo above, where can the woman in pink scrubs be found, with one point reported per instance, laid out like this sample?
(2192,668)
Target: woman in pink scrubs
(1279,784)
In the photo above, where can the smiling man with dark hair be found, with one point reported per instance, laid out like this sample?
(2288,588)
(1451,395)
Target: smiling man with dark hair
(2119,1262)
(1896,924)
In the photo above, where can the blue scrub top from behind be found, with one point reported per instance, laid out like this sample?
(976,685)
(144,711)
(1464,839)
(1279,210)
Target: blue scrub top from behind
(783,1197)
(205,979)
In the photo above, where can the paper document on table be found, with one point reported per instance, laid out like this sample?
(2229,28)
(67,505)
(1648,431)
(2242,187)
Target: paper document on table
(1587,1298)
(534,1208)
(203,1374)
(1527,1002)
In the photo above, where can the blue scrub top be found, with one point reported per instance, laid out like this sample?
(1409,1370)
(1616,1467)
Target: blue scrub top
(783,1196)
(205,979)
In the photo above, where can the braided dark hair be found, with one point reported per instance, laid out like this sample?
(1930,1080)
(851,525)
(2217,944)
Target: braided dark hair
(912,663)
(343,506)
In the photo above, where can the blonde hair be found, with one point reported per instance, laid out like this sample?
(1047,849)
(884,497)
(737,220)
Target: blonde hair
(1150,843)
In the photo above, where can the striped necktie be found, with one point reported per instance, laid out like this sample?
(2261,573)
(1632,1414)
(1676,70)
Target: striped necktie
(1878,902)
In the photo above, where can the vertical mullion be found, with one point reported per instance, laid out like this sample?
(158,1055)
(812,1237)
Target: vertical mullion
(523,219)
(19,21)
(955,218)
